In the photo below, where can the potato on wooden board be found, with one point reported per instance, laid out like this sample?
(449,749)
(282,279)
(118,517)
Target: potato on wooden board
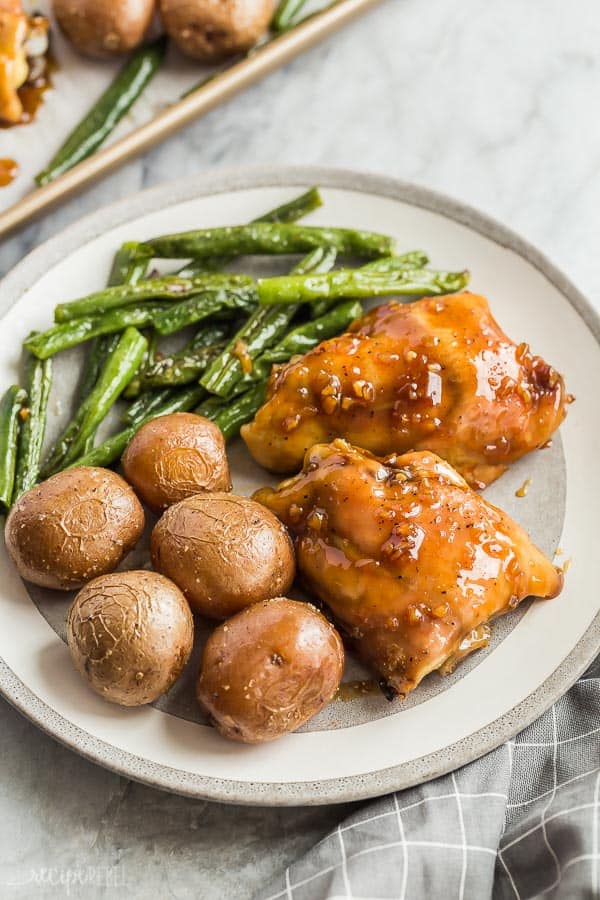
(104,28)
(210,30)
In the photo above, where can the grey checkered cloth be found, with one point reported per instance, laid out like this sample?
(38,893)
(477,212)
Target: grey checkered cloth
(521,823)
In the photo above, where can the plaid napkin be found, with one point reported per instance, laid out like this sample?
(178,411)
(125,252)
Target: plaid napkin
(522,822)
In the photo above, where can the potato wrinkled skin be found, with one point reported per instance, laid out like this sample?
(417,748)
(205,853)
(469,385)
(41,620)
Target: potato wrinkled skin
(176,456)
(130,635)
(211,30)
(225,552)
(269,669)
(72,527)
(104,28)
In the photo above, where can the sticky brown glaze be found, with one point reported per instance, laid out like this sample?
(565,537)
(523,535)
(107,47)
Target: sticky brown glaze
(438,374)
(130,635)
(175,456)
(411,561)
(73,527)
(225,552)
(23,62)
(269,669)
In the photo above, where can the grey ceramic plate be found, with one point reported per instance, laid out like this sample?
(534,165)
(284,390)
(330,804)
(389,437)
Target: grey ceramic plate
(367,746)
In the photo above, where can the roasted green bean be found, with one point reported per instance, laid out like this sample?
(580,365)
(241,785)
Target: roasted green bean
(11,405)
(118,371)
(288,212)
(106,453)
(210,303)
(263,328)
(356,283)
(107,112)
(171,287)
(270,238)
(69,334)
(38,380)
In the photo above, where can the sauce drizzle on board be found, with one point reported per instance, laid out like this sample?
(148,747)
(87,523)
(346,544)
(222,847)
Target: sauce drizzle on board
(32,96)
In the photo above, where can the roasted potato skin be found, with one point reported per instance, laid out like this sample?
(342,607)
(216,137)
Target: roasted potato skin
(73,527)
(210,30)
(225,552)
(104,28)
(174,457)
(269,669)
(130,635)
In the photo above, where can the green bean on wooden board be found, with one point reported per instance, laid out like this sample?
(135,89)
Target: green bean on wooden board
(10,409)
(118,370)
(38,382)
(203,306)
(270,238)
(106,453)
(288,212)
(263,328)
(69,334)
(172,287)
(286,14)
(356,283)
(107,112)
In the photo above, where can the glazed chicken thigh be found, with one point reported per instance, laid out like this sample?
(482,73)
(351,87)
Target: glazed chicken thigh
(437,374)
(412,562)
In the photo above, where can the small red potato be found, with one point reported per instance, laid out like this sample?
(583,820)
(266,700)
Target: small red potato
(269,669)
(72,527)
(175,456)
(224,552)
(130,635)
(210,30)
(104,28)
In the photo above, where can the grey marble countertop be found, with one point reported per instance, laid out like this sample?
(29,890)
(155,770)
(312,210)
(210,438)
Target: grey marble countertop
(494,103)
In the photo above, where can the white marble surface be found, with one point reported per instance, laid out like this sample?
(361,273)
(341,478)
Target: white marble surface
(494,103)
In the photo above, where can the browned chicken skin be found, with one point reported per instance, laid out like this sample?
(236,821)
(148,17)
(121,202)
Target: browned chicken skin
(437,374)
(411,561)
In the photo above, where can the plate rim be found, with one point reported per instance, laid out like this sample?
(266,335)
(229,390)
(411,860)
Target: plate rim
(350,788)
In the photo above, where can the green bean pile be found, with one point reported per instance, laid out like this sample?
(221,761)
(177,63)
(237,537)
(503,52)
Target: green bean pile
(239,328)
